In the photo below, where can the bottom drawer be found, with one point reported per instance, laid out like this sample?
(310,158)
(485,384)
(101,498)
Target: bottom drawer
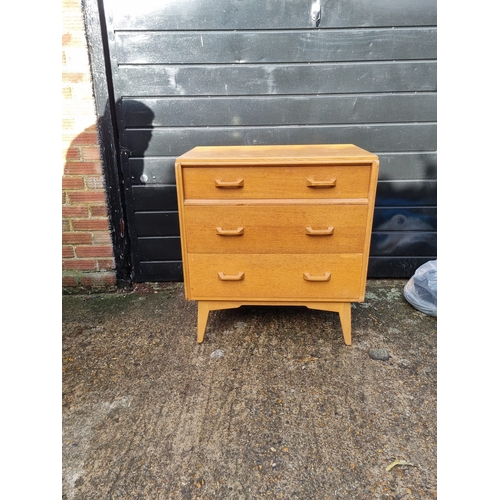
(275,276)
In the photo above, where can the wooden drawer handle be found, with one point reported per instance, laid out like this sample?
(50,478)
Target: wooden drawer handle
(309,277)
(238,183)
(227,277)
(319,232)
(321,184)
(230,232)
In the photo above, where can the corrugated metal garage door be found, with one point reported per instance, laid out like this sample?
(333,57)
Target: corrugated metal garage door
(218,72)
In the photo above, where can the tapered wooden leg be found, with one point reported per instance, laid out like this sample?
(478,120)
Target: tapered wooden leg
(345,321)
(204,307)
(344,310)
(203,310)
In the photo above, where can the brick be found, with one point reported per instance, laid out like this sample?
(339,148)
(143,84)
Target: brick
(72,24)
(85,138)
(68,123)
(69,281)
(101,211)
(105,278)
(81,92)
(68,252)
(91,153)
(70,17)
(75,212)
(76,58)
(66,143)
(102,238)
(67,38)
(80,108)
(87,281)
(87,197)
(80,264)
(98,279)
(65,225)
(77,238)
(78,40)
(94,251)
(72,153)
(74,77)
(82,168)
(69,5)
(90,225)
(109,279)
(106,264)
(95,182)
(73,183)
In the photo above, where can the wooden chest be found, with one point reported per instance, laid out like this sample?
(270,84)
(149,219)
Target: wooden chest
(276,225)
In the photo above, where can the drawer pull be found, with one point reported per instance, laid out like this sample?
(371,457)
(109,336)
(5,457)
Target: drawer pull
(227,277)
(229,184)
(309,277)
(230,232)
(319,232)
(321,184)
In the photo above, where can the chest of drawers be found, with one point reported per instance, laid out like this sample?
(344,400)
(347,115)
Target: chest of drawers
(276,225)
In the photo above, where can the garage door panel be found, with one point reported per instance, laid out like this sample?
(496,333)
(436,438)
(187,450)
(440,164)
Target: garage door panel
(259,110)
(267,14)
(244,47)
(306,79)
(384,138)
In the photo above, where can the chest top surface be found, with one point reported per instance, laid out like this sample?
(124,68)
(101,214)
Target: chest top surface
(276,154)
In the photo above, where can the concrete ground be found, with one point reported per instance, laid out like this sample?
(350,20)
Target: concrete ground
(272,405)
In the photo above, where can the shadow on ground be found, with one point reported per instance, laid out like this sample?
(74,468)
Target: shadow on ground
(271,405)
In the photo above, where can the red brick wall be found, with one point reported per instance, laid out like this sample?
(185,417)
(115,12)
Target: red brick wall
(87,252)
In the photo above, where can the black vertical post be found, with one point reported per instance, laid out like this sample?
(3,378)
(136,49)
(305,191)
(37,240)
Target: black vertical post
(96,32)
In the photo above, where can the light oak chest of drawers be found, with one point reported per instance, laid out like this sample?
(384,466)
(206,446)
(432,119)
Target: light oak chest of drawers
(276,225)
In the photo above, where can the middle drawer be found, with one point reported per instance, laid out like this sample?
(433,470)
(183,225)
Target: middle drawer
(260,229)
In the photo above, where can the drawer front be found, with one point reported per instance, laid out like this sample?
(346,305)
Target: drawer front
(275,228)
(284,182)
(294,277)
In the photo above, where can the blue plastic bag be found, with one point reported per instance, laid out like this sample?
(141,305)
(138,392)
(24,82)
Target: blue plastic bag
(421,289)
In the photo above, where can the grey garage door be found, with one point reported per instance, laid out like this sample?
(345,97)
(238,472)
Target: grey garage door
(237,72)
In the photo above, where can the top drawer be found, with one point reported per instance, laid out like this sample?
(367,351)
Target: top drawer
(274,182)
